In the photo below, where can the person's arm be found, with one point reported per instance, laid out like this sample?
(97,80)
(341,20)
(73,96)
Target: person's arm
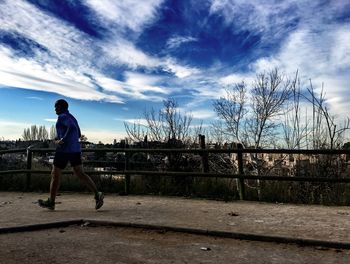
(65,121)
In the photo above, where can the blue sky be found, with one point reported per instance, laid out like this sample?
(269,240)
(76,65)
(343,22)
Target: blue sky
(113,59)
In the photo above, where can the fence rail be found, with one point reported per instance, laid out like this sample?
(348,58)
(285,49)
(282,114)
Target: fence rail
(195,151)
(204,153)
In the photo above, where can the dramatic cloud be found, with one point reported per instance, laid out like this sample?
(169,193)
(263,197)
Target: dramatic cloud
(323,57)
(317,46)
(29,74)
(138,53)
(67,61)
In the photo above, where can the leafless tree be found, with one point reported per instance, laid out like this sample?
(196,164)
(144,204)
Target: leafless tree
(135,131)
(162,125)
(35,133)
(269,94)
(43,135)
(26,134)
(251,115)
(53,132)
(295,130)
(231,109)
(326,132)
(217,132)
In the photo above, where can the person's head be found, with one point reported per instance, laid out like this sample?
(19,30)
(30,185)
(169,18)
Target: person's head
(60,106)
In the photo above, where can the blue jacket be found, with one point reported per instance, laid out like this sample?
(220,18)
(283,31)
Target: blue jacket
(68,131)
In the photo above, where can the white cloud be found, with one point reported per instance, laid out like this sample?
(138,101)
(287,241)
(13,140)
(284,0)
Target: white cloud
(132,14)
(323,56)
(63,41)
(202,114)
(340,50)
(70,61)
(140,86)
(314,43)
(51,120)
(140,121)
(177,41)
(28,74)
(11,130)
(258,17)
(63,69)
(124,52)
(336,88)
(179,70)
(35,98)
(144,83)
(273,20)
(236,78)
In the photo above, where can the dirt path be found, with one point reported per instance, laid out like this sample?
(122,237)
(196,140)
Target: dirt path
(120,245)
(83,245)
(298,221)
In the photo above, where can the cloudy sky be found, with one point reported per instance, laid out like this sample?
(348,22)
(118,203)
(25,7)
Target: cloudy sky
(113,59)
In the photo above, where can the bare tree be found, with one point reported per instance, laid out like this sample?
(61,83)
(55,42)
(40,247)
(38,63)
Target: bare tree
(135,131)
(231,109)
(43,135)
(163,125)
(251,115)
(35,133)
(26,134)
(218,132)
(326,132)
(53,132)
(155,124)
(269,94)
(295,130)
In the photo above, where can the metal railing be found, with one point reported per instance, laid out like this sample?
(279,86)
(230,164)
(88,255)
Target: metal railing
(204,153)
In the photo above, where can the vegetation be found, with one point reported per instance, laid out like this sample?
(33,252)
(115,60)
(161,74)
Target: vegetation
(38,133)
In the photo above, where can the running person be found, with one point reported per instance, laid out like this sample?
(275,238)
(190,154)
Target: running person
(68,150)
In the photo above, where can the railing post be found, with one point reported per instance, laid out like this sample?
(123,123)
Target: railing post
(205,162)
(127,176)
(29,167)
(241,185)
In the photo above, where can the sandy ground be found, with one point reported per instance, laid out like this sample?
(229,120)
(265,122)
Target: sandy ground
(84,245)
(110,245)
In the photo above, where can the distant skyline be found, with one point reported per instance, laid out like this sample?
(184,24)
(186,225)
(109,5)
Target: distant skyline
(112,60)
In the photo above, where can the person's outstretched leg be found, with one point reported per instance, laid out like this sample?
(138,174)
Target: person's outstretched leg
(78,170)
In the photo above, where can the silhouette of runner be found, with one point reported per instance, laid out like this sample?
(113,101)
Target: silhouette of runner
(68,150)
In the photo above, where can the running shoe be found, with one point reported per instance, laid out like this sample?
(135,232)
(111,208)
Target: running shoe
(99,200)
(47,204)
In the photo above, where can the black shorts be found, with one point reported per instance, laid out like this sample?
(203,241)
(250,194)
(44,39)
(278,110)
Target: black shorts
(62,158)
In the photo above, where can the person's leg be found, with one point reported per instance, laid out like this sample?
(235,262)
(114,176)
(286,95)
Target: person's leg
(76,163)
(60,162)
(55,182)
(79,172)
